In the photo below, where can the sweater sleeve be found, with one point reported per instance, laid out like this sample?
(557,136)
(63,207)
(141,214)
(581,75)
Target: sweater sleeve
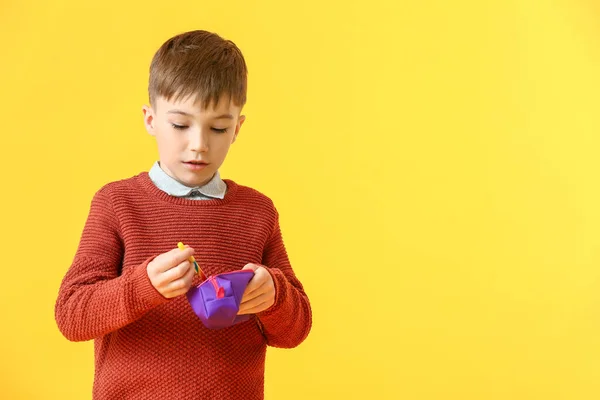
(95,298)
(288,321)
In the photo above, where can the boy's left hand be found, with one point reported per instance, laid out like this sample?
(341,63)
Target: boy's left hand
(260,292)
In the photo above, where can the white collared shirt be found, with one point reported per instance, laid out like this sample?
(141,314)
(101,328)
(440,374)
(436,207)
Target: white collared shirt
(214,189)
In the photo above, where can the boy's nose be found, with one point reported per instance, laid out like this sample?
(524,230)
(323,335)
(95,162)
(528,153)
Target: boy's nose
(199,142)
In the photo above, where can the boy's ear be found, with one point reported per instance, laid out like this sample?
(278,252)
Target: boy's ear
(241,120)
(148,119)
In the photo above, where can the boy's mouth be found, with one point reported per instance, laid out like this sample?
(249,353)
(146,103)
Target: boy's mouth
(196,162)
(195,165)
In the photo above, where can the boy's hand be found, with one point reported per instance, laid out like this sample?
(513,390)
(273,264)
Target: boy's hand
(260,292)
(171,273)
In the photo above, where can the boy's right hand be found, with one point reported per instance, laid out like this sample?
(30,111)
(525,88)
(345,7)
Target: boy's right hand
(172,273)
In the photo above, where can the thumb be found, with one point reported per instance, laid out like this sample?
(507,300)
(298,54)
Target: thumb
(252,267)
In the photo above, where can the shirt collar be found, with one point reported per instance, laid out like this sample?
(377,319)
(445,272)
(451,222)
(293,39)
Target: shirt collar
(216,187)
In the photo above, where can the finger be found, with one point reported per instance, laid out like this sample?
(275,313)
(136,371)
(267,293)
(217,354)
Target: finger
(187,276)
(258,309)
(258,280)
(258,304)
(191,273)
(252,293)
(176,293)
(173,258)
(176,272)
(186,282)
(253,303)
(178,285)
(250,266)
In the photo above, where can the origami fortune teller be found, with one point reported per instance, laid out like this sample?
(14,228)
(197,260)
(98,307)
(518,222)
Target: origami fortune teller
(216,301)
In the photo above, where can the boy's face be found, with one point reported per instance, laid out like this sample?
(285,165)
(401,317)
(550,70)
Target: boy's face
(192,142)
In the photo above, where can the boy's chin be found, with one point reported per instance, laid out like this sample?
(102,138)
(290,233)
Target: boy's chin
(193,180)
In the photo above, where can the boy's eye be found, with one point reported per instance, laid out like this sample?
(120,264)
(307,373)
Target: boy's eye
(220,130)
(178,126)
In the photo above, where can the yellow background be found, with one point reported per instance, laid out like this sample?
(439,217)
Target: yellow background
(434,163)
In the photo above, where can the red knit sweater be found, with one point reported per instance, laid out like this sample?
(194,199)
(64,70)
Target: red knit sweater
(148,347)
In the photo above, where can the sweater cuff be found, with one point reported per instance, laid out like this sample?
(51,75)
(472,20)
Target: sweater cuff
(144,296)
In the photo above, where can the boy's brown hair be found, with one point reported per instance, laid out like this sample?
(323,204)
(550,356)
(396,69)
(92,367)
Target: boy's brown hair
(201,64)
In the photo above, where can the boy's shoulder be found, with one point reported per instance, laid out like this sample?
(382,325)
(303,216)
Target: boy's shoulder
(251,199)
(123,186)
(249,192)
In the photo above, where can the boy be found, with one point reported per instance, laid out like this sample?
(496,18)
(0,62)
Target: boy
(126,286)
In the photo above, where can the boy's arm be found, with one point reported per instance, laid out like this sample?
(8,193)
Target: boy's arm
(288,321)
(95,298)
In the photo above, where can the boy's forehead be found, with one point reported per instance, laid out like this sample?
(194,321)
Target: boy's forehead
(192,105)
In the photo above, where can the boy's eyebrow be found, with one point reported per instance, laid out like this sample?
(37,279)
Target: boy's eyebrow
(222,116)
